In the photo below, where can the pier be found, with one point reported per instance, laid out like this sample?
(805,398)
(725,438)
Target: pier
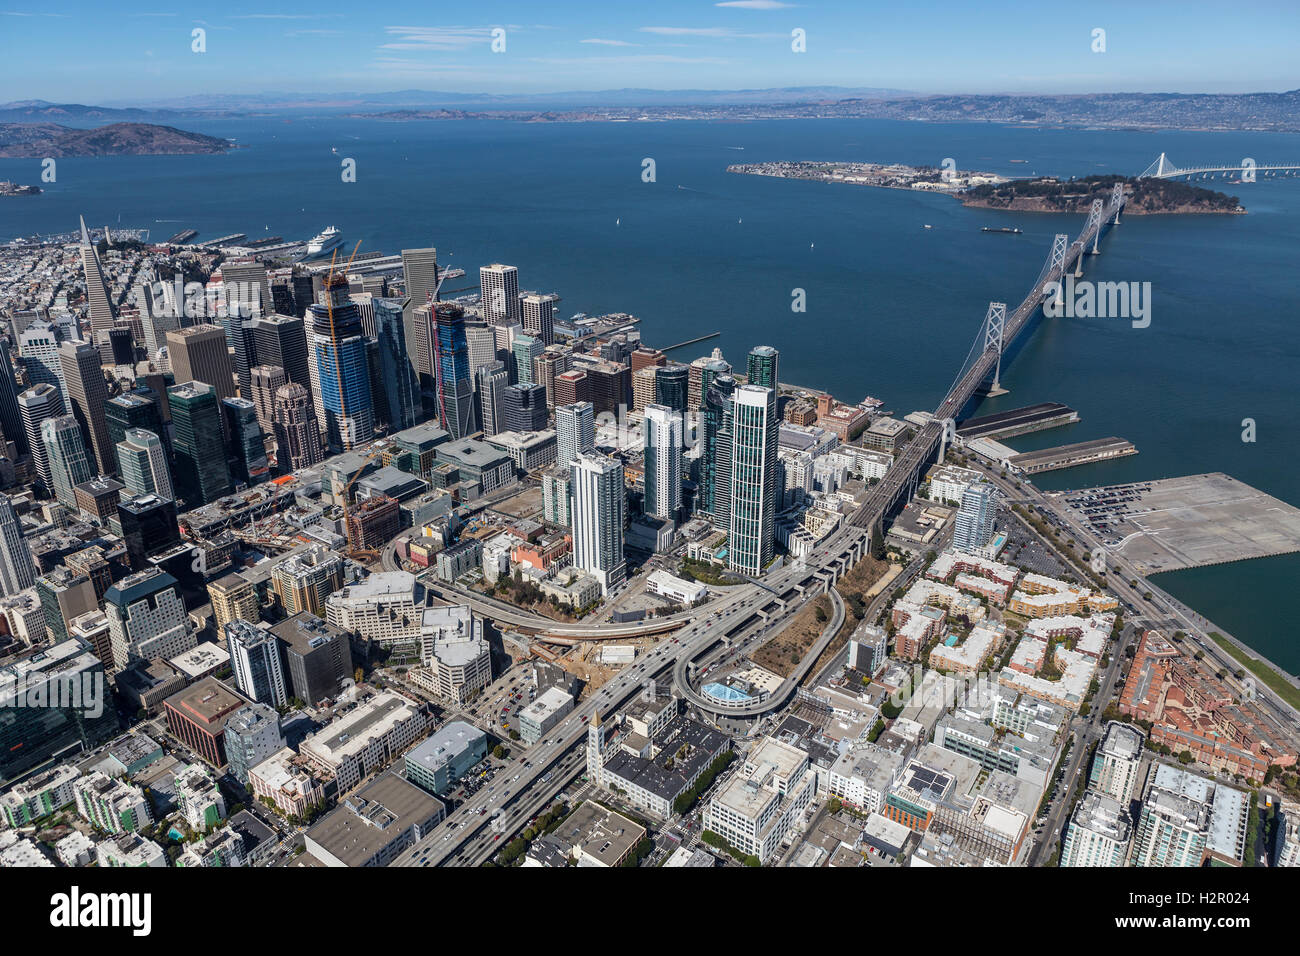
(682,345)
(1068,456)
(1018,421)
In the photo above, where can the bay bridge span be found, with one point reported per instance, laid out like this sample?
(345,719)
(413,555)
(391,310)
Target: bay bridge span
(1164,168)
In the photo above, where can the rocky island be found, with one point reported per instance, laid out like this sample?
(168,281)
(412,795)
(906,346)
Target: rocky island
(39,140)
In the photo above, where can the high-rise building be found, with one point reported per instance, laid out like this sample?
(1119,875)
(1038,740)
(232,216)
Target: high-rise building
(599,512)
(256,660)
(702,373)
(271,340)
(493,379)
(609,385)
(672,386)
(89,394)
(11,420)
(97,298)
(148,527)
(201,473)
(752,524)
(499,290)
(420,273)
(70,464)
(643,387)
(146,618)
(714,497)
(35,406)
(1117,763)
(253,734)
(199,354)
(17,572)
(575,430)
(139,408)
(571,387)
(556,495)
(303,582)
(233,598)
(646,357)
(553,362)
(1098,832)
(319,656)
(525,350)
(975,518)
(247,446)
(1178,817)
(454,397)
(663,462)
(38,347)
(538,316)
(525,407)
(297,434)
(265,381)
(762,366)
(482,343)
(245,285)
(142,463)
(343,374)
(401,407)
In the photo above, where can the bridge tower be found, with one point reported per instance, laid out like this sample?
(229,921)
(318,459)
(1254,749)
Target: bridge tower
(1078,260)
(1117,200)
(994,323)
(1056,264)
(1096,215)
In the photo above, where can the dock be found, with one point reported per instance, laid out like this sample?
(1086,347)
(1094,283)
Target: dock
(229,240)
(185,235)
(1068,456)
(682,345)
(1018,421)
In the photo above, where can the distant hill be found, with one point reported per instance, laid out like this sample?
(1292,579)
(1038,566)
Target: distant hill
(38,140)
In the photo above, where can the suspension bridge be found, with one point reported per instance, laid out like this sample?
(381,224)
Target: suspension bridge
(1164,168)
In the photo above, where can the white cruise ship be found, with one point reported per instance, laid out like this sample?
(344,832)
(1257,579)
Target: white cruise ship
(331,238)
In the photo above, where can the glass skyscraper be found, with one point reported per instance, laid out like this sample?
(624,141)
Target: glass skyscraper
(762,368)
(752,526)
(201,473)
(398,382)
(975,518)
(455,400)
(343,374)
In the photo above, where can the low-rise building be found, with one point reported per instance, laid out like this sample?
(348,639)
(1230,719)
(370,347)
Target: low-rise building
(758,806)
(376,823)
(445,757)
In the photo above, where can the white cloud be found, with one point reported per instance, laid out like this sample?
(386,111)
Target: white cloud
(755,4)
(719,33)
(600,42)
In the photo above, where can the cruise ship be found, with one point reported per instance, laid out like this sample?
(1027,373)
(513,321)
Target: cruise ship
(331,238)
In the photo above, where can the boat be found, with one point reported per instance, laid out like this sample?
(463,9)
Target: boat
(331,238)
(928,226)
(1007,229)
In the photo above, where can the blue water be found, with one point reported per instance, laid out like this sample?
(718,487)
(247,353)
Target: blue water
(891,307)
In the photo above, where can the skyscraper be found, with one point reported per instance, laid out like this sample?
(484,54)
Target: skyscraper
(17,573)
(538,316)
(140,408)
(762,369)
(482,343)
(493,379)
(598,513)
(672,386)
(752,525)
(297,434)
(70,464)
(11,420)
(525,350)
(575,431)
(552,363)
(199,354)
(974,526)
(247,446)
(142,462)
(89,394)
(146,618)
(715,459)
(525,408)
(420,273)
(663,462)
(271,340)
(148,527)
(265,381)
(343,374)
(35,406)
(398,382)
(201,473)
(100,305)
(454,385)
(244,283)
(702,373)
(499,289)
(256,659)
(38,347)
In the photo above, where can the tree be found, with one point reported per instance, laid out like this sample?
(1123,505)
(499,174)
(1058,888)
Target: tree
(358,675)
(877,544)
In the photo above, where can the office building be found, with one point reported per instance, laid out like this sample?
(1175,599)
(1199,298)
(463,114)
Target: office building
(525,407)
(142,463)
(89,395)
(69,463)
(599,514)
(374,825)
(609,385)
(38,347)
(17,572)
(493,380)
(398,383)
(199,353)
(257,664)
(538,316)
(672,387)
(444,758)
(139,408)
(265,381)
(761,368)
(643,387)
(553,362)
(453,385)
(271,340)
(702,373)
(36,405)
(752,520)
(97,499)
(197,717)
(525,350)
(662,431)
(233,598)
(570,387)
(247,446)
(304,580)
(99,304)
(11,424)
(149,527)
(338,351)
(297,432)
(147,618)
(456,662)
(76,711)
(318,655)
(975,518)
(253,735)
(366,738)
(537,719)
(714,497)
(575,430)
(759,805)
(245,286)
(201,475)
(499,292)
(66,594)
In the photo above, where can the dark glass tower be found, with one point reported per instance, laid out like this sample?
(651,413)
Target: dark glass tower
(454,385)
(201,474)
(672,386)
(762,369)
(715,465)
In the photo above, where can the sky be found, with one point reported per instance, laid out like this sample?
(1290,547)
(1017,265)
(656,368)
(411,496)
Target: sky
(96,52)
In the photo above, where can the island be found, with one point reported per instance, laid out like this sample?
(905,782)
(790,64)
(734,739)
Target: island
(985,190)
(14,189)
(40,140)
